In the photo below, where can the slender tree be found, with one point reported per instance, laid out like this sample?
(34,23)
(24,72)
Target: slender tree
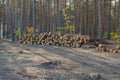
(86,20)
(10,16)
(109,20)
(3,18)
(100,21)
(95,29)
(119,17)
(27,13)
(7,19)
(105,14)
(82,28)
(21,19)
(76,12)
(40,16)
(48,15)
(34,17)
(115,11)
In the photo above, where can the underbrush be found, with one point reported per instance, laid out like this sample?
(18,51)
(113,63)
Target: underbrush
(115,36)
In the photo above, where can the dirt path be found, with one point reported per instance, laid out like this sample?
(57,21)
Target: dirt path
(24,62)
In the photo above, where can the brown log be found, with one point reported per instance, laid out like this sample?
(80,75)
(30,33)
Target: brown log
(118,47)
(100,45)
(97,48)
(107,45)
(115,51)
(118,51)
(58,39)
(103,49)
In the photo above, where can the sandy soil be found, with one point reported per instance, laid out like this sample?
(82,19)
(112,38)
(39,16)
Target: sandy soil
(25,62)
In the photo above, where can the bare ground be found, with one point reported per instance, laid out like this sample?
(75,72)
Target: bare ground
(24,62)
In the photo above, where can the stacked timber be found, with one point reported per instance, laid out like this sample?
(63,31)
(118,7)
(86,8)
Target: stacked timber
(67,40)
(109,48)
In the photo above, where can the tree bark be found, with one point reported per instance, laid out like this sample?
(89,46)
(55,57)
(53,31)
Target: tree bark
(100,21)
(109,20)
(86,20)
(95,29)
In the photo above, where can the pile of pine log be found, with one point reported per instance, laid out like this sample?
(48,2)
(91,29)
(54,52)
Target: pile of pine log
(108,48)
(67,40)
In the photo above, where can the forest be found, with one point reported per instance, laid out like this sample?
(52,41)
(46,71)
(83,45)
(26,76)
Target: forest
(99,18)
(59,39)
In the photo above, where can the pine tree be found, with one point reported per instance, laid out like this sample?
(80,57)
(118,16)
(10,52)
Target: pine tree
(100,21)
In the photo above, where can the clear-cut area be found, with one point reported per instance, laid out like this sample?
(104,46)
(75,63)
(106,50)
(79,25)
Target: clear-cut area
(38,62)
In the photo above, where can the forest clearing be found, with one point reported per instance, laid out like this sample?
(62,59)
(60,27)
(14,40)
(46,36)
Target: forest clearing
(59,39)
(29,62)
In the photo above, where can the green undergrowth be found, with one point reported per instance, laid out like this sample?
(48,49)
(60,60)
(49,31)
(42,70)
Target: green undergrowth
(115,36)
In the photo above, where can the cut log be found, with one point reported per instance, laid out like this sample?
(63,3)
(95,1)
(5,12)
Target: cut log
(108,48)
(118,47)
(50,38)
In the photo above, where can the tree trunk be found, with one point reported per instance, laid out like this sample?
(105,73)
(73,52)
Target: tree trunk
(95,29)
(34,17)
(100,21)
(3,18)
(86,20)
(115,24)
(109,20)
